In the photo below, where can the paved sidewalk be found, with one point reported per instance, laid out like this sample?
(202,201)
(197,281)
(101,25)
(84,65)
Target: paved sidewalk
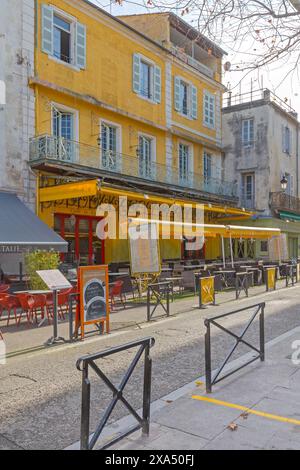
(257,408)
(26,338)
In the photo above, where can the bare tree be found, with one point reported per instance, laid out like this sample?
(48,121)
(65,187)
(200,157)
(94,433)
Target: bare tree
(259,32)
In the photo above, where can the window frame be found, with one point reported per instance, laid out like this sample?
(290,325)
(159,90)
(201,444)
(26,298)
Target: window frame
(249,142)
(287,140)
(189,161)
(152,140)
(206,154)
(73,21)
(118,150)
(66,109)
(208,95)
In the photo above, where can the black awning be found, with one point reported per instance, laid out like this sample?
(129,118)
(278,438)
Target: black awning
(21,229)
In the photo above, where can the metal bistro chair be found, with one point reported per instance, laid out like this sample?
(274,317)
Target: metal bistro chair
(116,291)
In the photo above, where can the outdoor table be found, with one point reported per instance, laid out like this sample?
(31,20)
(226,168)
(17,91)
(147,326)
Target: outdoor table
(36,292)
(191,267)
(33,292)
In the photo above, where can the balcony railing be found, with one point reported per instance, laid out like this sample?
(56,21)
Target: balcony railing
(192,62)
(47,147)
(284,202)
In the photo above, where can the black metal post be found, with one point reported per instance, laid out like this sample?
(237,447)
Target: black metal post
(148,303)
(168,299)
(85,408)
(147,391)
(207,358)
(262,333)
(55,338)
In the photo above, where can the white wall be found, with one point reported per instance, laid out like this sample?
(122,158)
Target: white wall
(17,118)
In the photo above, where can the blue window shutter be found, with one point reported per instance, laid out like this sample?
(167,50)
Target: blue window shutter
(136,73)
(177,93)
(47,29)
(80,46)
(157,84)
(194,104)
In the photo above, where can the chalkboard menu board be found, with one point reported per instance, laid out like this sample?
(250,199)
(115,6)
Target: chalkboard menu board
(94,296)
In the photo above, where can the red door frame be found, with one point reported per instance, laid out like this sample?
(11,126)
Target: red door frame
(90,218)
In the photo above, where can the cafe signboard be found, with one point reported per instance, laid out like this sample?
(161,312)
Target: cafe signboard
(94,297)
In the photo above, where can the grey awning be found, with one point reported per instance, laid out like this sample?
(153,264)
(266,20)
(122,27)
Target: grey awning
(21,229)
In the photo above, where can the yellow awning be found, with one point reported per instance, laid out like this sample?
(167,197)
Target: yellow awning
(93,187)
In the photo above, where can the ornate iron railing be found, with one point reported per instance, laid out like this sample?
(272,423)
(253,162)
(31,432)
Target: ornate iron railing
(282,201)
(61,150)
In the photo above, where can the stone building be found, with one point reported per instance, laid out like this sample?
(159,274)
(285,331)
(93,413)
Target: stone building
(261,145)
(17,114)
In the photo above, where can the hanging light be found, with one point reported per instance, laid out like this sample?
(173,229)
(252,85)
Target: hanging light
(283,183)
(99,141)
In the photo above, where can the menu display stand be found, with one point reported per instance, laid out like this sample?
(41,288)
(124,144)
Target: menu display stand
(56,282)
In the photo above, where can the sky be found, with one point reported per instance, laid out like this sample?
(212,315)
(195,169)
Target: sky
(276,77)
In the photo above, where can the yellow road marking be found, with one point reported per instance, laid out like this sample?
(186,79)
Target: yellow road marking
(248,410)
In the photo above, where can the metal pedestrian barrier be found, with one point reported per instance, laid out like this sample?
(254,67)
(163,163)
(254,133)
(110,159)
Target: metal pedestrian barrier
(143,422)
(160,292)
(259,311)
(241,284)
(291,275)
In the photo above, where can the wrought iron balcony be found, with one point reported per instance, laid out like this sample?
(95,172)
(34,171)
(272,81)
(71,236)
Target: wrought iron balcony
(49,148)
(284,202)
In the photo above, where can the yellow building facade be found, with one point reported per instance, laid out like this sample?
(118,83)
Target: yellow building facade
(134,103)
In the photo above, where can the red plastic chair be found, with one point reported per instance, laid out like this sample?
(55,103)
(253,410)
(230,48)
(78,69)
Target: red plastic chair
(38,305)
(26,302)
(4,288)
(63,301)
(116,291)
(10,303)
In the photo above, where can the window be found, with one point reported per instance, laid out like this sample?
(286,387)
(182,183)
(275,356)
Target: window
(247,132)
(264,247)
(209,110)
(184,98)
(109,144)
(290,185)
(186,101)
(146,149)
(63,37)
(248,190)
(286,140)
(184,154)
(146,78)
(63,130)
(207,167)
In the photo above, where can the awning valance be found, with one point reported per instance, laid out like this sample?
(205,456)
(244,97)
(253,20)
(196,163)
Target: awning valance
(21,229)
(212,230)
